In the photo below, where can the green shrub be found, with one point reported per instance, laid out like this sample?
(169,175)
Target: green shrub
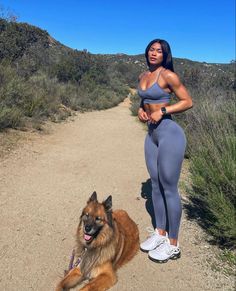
(16,38)
(212,151)
(135,104)
(42,97)
(10,117)
(11,91)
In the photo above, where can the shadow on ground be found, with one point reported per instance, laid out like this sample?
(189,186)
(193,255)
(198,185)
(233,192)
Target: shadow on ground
(146,193)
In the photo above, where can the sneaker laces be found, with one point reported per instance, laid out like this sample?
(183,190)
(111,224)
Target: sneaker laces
(162,246)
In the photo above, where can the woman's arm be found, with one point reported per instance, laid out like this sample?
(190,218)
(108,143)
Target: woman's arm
(142,115)
(185,101)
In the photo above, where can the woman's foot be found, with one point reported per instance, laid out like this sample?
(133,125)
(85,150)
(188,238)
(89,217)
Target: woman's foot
(165,252)
(153,241)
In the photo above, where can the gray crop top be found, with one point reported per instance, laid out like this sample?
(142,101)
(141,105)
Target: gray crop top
(154,94)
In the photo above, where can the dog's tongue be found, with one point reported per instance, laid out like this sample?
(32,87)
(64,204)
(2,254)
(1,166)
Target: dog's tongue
(87,237)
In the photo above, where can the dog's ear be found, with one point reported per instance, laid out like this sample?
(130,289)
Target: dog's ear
(93,197)
(108,208)
(108,203)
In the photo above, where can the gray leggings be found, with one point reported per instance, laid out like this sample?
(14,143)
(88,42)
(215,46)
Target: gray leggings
(164,153)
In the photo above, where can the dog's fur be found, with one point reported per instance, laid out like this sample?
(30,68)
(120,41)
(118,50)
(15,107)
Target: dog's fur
(106,240)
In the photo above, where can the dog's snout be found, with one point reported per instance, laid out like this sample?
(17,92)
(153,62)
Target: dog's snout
(88,228)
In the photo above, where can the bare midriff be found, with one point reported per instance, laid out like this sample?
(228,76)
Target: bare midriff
(150,108)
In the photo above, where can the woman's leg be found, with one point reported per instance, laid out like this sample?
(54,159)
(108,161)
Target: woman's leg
(151,157)
(172,143)
(158,237)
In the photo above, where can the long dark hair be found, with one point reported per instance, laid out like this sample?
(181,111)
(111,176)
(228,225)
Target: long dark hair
(167,56)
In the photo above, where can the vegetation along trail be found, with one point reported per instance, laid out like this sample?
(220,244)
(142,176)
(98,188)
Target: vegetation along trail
(46,182)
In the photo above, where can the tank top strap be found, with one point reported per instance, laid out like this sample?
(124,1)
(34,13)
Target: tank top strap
(159,74)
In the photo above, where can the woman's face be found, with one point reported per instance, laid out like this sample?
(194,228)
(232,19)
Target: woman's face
(155,55)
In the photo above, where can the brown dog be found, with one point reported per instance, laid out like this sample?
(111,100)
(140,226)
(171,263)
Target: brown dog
(106,240)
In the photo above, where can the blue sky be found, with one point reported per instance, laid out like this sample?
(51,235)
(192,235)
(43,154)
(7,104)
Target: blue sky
(202,30)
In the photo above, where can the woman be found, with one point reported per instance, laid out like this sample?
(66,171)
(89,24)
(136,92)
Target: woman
(164,147)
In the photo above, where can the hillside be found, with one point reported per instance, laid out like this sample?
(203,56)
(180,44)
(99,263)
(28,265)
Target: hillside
(41,78)
(31,49)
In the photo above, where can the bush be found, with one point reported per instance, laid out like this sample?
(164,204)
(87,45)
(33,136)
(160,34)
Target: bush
(10,117)
(37,96)
(16,38)
(212,151)
(11,92)
(135,99)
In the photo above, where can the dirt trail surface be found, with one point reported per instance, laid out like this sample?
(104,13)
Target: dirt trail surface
(44,185)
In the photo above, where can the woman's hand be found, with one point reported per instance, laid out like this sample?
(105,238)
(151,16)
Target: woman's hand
(155,116)
(142,115)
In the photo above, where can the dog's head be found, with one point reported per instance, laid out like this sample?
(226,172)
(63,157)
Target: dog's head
(96,221)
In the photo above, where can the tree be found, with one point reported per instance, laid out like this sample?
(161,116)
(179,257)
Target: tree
(7,14)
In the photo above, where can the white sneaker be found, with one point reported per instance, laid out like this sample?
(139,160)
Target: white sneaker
(164,253)
(153,241)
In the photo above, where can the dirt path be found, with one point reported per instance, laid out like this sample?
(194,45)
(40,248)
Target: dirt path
(45,184)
